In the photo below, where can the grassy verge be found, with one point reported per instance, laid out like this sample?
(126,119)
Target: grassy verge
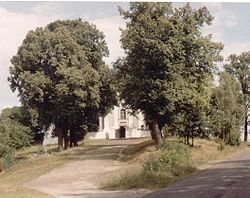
(135,176)
(27,168)
(206,151)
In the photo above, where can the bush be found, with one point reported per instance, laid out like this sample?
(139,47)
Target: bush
(13,136)
(8,160)
(19,136)
(233,138)
(172,157)
(171,161)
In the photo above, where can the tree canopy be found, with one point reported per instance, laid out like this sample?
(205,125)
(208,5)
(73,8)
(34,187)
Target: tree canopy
(61,77)
(167,63)
(239,67)
(227,110)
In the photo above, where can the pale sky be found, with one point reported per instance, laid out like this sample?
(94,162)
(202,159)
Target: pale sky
(231,26)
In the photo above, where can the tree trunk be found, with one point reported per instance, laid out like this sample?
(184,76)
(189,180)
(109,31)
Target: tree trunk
(59,133)
(188,139)
(73,140)
(1,168)
(66,139)
(156,133)
(152,134)
(245,132)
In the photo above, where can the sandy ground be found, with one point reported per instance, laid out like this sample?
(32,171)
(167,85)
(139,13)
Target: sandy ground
(225,179)
(80,178)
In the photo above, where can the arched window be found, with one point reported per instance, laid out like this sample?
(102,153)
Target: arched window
(123,114)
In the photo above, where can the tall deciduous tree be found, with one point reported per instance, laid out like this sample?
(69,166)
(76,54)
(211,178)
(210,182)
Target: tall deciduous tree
(239,67)
(167,60)
(61,77)
(227,110)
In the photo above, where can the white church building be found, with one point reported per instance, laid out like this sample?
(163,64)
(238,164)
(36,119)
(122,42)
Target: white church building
(120,123)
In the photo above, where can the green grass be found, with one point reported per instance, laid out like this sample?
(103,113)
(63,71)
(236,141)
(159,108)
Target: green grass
(13,179)
(206,151)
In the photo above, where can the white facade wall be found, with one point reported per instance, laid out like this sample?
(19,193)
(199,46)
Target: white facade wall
(111,127)
(48,139)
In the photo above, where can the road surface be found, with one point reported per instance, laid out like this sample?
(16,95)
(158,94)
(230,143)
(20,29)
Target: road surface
(80,178)
(225,179)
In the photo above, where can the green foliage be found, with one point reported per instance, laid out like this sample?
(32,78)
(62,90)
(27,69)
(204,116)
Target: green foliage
(234,138)
(8,160)
(168,64)
(171,161)
(13,136)
(238,66)
(139,179)
(4,147)
(22,115)
(173,157)
(227,109)
(18,114)
(61,77)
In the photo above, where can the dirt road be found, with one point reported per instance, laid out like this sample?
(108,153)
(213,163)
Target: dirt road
(80,178)
(225,179)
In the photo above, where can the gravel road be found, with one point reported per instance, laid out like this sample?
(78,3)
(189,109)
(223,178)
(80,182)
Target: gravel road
(80,178)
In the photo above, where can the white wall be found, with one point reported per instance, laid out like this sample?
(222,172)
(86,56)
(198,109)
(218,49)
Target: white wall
(95,135)
(48,139)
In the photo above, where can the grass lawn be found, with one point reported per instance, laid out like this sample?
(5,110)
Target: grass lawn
(26,169)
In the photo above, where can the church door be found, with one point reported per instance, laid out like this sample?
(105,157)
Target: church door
(122,132)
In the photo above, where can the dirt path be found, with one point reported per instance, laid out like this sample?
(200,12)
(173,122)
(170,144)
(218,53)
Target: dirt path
(80,178)
(225,179)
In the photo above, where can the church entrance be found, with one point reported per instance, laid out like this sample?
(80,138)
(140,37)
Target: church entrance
(122,132)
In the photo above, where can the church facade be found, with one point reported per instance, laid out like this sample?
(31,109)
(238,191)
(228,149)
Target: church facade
(120,123)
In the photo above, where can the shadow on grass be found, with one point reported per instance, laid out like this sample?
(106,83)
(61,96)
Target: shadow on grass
(91,150)
(132,151)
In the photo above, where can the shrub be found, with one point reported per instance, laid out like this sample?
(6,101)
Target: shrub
(233,138)
(8,160)
(13,135)
(19,136)
(171,161)
(4,146)
(172,157)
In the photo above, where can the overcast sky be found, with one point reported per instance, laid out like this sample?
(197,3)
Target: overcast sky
(231,26)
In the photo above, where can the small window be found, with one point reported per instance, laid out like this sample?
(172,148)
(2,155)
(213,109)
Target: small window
(123,114)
